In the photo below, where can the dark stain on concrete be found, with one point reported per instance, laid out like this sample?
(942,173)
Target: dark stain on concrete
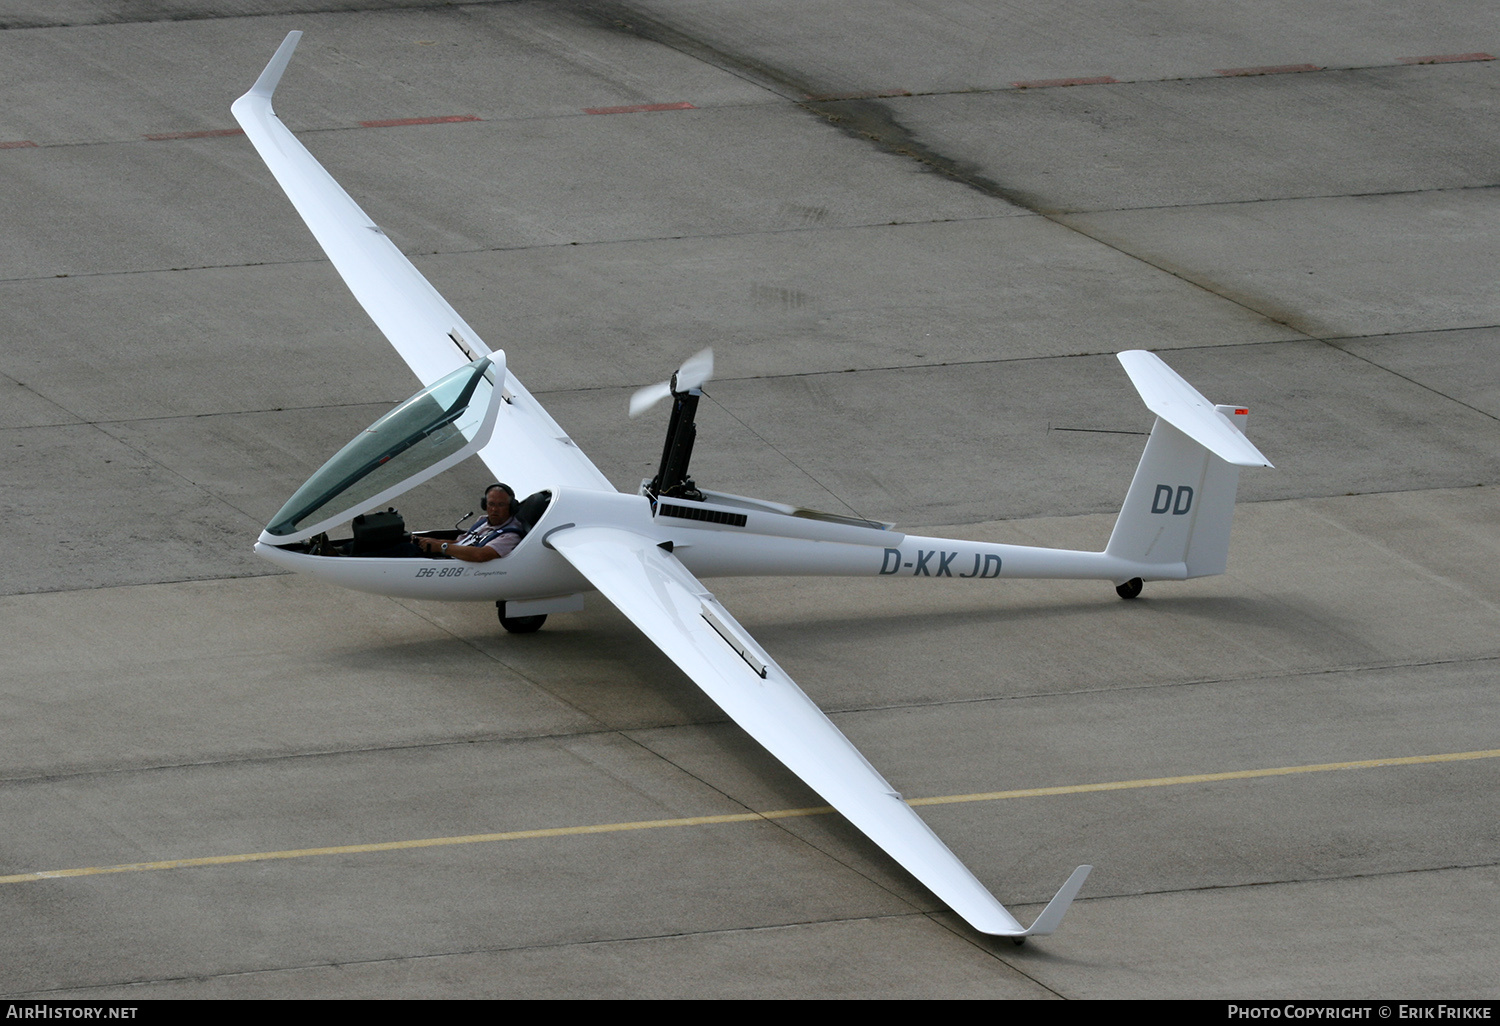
(866,119)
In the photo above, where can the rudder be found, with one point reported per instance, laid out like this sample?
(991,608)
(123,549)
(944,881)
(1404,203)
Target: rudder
(1180,504)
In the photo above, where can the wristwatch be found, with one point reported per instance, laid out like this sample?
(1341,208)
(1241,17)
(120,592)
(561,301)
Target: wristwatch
(445,546)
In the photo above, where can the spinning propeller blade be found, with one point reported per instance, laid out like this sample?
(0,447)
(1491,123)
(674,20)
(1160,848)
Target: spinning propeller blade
(648,397)
(695,372)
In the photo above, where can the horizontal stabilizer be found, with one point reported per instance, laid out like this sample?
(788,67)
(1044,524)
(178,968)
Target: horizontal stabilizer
(1171,398)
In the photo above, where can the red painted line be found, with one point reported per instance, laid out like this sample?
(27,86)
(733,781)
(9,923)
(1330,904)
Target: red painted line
(1274,69)
(16,145)
(1049,83)
(211,133)
(398,122)
(1448,58)
(637,107)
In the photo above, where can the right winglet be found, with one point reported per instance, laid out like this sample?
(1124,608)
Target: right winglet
(271,77)
(424,328)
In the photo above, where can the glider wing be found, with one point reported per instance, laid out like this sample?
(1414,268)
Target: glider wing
(529,449)
(674,610)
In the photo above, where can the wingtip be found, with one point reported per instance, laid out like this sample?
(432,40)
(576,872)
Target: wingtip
(1052,915)
(270,78)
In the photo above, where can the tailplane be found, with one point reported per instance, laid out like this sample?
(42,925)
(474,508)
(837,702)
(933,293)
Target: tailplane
(1181,501)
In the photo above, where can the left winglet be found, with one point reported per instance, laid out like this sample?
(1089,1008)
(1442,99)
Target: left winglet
(658,594)
(1052,915)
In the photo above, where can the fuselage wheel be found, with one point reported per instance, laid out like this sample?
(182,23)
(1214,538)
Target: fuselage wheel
(1130,589)
(519,624)
(1018,941)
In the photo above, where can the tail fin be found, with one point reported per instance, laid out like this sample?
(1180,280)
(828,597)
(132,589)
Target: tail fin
(1181,501)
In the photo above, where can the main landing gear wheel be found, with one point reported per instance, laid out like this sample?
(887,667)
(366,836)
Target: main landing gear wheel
(519,624)
(1130,589)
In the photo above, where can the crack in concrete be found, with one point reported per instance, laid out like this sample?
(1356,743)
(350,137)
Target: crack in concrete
(646,938)
(499,949)
(625,732)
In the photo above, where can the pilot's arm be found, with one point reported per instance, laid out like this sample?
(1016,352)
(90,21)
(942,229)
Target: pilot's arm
(470,553)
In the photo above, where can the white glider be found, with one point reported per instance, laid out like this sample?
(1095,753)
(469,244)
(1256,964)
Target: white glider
(646,552)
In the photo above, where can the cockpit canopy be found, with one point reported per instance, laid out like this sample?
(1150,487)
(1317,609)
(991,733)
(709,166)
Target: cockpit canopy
(433,430)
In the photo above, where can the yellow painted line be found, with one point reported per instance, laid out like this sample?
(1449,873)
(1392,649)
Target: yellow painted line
(1205,778)
(744,817)
(426,842)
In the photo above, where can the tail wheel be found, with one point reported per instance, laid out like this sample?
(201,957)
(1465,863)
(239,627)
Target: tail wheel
(1130,589)
(519,624)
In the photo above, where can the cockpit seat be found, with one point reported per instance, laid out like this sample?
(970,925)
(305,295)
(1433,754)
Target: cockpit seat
(530,509)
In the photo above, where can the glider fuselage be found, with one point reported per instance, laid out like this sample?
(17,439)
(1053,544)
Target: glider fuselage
(726,536)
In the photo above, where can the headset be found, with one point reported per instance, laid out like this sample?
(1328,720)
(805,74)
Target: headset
(485,498)
(484,501)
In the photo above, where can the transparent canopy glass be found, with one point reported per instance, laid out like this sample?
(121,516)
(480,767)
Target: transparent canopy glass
(430,427)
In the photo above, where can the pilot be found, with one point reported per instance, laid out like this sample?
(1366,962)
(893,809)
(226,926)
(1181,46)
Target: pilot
(491,538)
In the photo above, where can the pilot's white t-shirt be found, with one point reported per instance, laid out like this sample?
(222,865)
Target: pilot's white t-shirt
(501,543)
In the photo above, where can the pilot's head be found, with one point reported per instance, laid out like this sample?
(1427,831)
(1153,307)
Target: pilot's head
(499,503)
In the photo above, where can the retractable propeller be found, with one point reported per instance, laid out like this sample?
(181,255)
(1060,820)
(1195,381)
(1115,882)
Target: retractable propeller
(695,372)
